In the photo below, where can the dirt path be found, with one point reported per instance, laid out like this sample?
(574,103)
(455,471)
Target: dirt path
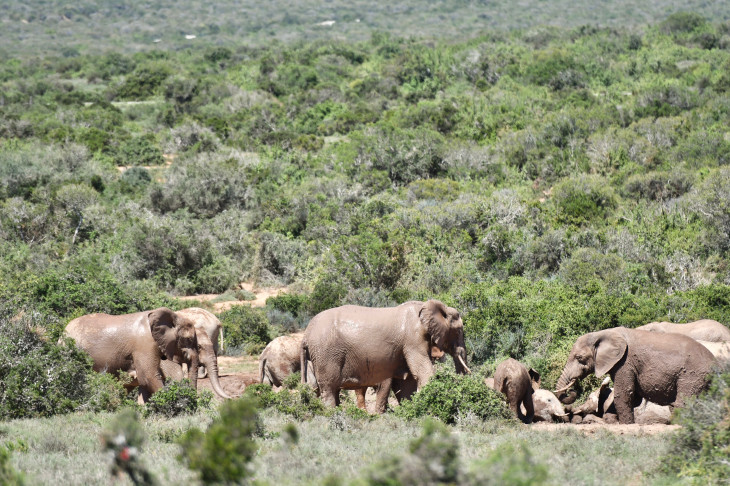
(619,429)
(260,301)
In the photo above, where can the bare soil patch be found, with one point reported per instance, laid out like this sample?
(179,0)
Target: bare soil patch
(262,294)
(235,374)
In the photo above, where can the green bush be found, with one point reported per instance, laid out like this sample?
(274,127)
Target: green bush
(177,398)
(139,151)
(583,199)
(432,458)
(222,453)
(509,464)
(243,325)
(39,378)
(448,395)
(300,402)
(8,475)
(699,451)
(106,393)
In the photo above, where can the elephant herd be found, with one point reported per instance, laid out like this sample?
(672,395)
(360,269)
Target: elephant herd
(653,368)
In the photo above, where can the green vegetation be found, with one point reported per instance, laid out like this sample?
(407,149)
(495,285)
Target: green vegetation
(547,182)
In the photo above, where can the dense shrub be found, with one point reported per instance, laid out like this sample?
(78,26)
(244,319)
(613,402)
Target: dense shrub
(221,454)
(583,199)
(177,398)
(244,325)
(8,475)
(700,449)
(139,151)
(447,395)
(39,378)
(300,402)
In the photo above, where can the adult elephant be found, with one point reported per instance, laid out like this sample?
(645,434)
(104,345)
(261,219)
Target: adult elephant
(206,321)
(280,358)
(140,342)
(664,368)
(355,347)
(702,330)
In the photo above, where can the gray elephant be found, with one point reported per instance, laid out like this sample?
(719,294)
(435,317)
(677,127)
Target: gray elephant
(280,358)
(140,342)
(353,347)
(515,382)
(547,407)
(702,330)
(599,408)
(664,368)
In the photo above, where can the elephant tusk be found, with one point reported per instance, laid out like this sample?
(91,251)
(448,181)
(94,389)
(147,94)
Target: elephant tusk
(464,364)
(561,390)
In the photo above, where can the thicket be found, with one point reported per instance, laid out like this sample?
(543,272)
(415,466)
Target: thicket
(546,182)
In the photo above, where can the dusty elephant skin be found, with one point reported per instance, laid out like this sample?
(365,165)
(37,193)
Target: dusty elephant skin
(702,330)
(206,321)
(547,407)
(354,347)
(664,368)
(141,342)
(280,359)
(512,379)
(720,350)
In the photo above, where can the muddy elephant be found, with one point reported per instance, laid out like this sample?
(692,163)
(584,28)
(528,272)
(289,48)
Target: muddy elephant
(702,330)
(140,342)
(280,358)
(664,368)
(208,322)
(353,347)
(720,350)
(599,408)
(515,382)
(547,407)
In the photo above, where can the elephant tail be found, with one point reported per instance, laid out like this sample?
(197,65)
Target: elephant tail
(262,370)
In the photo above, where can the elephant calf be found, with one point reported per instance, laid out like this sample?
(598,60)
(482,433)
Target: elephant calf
(280,359)
(514,381)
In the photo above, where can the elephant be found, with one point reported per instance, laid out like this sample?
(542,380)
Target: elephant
(702,330)
(664,368)
(353,347)
(208,322)
(280,358)
(514,381)
(547,407)
(139,343)
(720,350)
(599,408)
(597,403)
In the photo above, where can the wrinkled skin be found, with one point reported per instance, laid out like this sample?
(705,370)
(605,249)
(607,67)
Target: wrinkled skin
(280,359)
(597,403)
(353,347)
(208,322)
(512,379)
(599,408)
(138,343)
(702,330)
(664,368)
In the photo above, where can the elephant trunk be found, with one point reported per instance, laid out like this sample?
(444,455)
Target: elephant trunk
(212,365)
(193,370)
(460,361)
(563,392)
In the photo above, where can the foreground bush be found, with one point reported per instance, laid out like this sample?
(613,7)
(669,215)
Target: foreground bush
(448,395)
(222,453)
(39,378)
(700,450)
(177,398)
(300,402)
(8,475)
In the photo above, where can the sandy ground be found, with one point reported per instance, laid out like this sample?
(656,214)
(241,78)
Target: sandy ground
(238,372)
(260,301)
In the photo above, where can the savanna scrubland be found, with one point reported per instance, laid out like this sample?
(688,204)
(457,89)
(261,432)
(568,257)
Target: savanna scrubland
(546,181)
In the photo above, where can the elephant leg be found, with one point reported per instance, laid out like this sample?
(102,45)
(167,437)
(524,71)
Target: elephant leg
(514,405)
(421,368)
(330,395)
(360,395)
(529,407)
(624,397)
(382,394)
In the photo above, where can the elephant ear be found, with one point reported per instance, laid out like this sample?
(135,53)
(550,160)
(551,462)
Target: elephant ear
(433,316)
(609,349)
(163,325)
(534,378)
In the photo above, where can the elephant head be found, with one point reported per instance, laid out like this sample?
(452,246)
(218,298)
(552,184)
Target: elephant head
(176,339)
(208,358)
(446,331)
(595,352)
